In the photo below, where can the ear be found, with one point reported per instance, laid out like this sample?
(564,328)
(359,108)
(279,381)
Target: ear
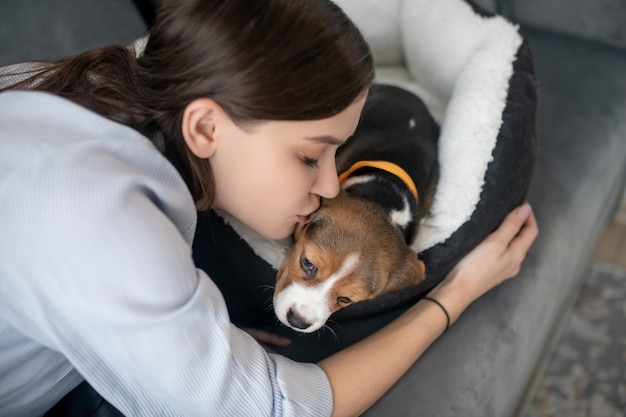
(313,221)
(198,126)
(412,273)
(281,271)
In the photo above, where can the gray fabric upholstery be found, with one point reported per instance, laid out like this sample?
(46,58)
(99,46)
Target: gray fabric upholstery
(603,21)
(43,29)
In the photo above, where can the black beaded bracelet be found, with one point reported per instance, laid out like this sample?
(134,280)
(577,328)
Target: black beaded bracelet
(443,308)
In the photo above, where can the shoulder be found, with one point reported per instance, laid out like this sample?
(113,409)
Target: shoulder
(27,113)
(93,205)
(59,154)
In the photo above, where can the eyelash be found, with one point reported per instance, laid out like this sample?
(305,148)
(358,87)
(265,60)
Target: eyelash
(310,162)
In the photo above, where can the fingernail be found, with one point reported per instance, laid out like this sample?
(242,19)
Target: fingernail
(286,341)
(523,211)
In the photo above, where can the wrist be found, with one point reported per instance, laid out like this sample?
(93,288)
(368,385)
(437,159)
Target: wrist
(453,294)
(443,309)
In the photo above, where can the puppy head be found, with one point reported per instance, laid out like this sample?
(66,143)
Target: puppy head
(349,251)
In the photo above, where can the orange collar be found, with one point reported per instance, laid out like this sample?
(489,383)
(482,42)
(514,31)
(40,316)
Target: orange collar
(385,166)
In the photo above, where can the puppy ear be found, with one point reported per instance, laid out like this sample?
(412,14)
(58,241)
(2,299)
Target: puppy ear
(297,232)
(413,272)
(315,220)
(281,271)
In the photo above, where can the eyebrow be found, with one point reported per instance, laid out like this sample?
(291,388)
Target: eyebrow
(330,140)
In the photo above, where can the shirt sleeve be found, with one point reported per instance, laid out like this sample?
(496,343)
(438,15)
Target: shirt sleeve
(102,272)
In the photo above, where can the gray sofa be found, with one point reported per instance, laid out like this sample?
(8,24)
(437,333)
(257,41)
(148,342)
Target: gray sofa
(487,363)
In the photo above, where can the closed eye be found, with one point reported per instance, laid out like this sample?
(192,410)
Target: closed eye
(310,162)
(307,267)
(344,301)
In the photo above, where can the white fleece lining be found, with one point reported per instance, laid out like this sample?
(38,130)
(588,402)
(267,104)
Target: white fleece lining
(271,251)
(460,64)
(465,61)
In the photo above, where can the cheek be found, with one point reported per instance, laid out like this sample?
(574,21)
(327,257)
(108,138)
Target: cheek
(294,177)
(278,180)
(251,179)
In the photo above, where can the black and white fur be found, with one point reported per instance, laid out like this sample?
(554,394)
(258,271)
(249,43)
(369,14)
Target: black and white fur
(396,127)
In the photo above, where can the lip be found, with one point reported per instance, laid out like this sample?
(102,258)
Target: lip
(303,219)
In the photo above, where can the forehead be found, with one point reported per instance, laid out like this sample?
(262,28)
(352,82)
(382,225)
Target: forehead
(328,231)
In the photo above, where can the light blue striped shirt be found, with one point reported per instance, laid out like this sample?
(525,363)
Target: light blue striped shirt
(97,280)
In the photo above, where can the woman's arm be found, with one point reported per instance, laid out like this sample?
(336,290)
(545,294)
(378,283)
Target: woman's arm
(387,354)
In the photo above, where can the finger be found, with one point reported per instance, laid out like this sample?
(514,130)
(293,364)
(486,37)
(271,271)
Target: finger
(268,338)
(275,340)
(513,223)
(526,236)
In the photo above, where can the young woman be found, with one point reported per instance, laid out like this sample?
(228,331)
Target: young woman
(106,158)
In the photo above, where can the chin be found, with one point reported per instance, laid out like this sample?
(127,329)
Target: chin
(249,229)
(279,234)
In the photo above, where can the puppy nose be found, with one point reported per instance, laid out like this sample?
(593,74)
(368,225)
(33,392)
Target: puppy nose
(296,321)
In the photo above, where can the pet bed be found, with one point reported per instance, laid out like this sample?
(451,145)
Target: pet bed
(475,74)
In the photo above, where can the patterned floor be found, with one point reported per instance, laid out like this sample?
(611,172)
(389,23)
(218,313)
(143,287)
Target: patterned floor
(586,373)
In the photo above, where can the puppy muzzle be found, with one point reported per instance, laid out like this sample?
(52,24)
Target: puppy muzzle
(305,317)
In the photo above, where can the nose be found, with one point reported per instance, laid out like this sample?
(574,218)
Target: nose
(296,321)
(326,184)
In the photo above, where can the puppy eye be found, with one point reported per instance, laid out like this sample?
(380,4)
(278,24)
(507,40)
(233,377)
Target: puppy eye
(307,266)
(344,300)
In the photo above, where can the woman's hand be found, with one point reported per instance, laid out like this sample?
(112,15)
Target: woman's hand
(267,339)
(496,259)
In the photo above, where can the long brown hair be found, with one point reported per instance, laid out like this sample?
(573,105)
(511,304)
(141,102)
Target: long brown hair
(260,60)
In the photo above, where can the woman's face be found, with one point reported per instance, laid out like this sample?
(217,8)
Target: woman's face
(271,176)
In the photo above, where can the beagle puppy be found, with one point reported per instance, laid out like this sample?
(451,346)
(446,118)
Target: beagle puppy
(357,245)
